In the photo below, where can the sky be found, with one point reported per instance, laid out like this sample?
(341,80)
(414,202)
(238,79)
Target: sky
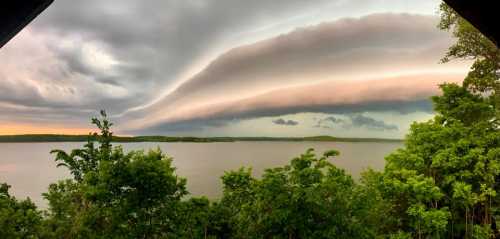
(347,68)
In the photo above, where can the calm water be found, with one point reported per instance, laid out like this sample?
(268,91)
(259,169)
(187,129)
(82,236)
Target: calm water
(29,167)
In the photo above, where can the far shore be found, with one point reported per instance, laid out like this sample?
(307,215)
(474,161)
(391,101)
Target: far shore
(32,138)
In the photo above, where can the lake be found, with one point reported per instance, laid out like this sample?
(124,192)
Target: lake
(30,168)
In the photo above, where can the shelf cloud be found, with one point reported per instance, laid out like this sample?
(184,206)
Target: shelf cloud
(380,62)
(400,94)
(177,66)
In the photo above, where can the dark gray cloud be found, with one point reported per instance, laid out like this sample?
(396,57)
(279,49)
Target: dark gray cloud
(160,38)
(149,43)
(369,123)
(328,122)
(285,122)
(355,121)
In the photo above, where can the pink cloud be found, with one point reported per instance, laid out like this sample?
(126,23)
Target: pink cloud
(309,98)
(354,62)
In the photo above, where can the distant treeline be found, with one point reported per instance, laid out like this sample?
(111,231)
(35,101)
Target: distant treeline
(125,139)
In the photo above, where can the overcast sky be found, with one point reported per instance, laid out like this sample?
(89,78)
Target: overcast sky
(352,68)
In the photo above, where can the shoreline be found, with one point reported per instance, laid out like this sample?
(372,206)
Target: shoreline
(47,138)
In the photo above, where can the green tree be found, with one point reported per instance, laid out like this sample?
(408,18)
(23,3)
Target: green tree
(443,183)
(193,219)
(448,169)
(483,78)
(81,161)
(18,218)
(66,210)
(135,195)
(310,198)
(114,194)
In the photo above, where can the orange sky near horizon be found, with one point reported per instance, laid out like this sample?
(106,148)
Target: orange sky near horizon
(16,129)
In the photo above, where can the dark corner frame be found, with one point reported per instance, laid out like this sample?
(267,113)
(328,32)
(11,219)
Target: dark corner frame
(482,14)
(16,14)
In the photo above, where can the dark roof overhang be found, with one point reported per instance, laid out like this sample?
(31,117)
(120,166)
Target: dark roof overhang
(484,15)
(16,14)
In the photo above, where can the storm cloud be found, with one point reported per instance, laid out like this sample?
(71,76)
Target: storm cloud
(340,50)
(163,66)
(370,123)
(328,122)
(355,121)
(281,121)
(310,63)
(118,54)
(400,94)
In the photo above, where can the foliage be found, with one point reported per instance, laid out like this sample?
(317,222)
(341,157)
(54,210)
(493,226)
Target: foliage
(484,77)
(18,219)
(82,161)
(66,210)
(310,198)
(193,219)
(443,183)
(134,195)
(113,194)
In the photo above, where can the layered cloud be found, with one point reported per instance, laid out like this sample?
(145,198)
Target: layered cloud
(170,66)
(119,54)
(348,49)
(381,62)
(401,94)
